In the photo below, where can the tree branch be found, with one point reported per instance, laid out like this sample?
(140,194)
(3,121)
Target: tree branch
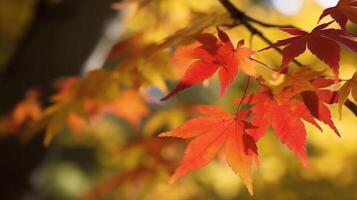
(352,106)
(238,14)
(247,21)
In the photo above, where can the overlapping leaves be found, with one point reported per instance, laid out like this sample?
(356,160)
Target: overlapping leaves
(321,41)
(302,96)
(286,110)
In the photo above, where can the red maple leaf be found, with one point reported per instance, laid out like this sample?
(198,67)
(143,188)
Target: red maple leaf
(322,42)
(315,101)
(345,10)
(212,55)
(312,87)
(285,115)
(215,130)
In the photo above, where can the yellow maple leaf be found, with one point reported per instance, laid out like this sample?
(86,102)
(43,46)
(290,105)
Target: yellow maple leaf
(350,86)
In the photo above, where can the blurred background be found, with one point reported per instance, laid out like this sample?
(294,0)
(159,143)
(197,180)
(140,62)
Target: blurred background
(46,45)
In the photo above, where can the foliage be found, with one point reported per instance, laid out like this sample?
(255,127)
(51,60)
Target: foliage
(152,55)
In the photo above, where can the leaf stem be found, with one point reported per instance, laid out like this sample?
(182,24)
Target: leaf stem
(265,65)
(244,94)
(251,40)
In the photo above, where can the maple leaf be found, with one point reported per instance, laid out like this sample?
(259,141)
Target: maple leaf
(350,86)
(128,47)
(285,115)
(181,58)
(306,79)
(322,42)
(141,63)
(127,103)
(212,55)
(212,131)
(57,118)
(76,123)
(312,87)
(27,111)
(344,10)
(299,80)
(315,101)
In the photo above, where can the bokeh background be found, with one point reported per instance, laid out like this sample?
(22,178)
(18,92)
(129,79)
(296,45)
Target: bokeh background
(42,41)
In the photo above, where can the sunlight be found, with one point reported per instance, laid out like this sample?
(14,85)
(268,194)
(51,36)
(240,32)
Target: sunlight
(291,8)
(327,3)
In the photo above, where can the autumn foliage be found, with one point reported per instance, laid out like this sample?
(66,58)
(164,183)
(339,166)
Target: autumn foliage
(296,94)
(215,130)
(301,96)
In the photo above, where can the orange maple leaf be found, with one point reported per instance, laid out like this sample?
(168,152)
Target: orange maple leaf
(349,87)
(26,111)
(212,55)
(285,116)
(214,130)
(129,105)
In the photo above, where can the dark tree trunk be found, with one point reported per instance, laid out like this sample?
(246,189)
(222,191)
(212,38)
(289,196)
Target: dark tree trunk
(57,43)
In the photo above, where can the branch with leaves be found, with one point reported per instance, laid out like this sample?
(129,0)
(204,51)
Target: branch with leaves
(247,22)
(301,95)
(137,63)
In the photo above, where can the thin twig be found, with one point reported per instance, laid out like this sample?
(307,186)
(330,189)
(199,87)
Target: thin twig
(268,25)
(244,94)
(352,106)
(265,65)
(251,40)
